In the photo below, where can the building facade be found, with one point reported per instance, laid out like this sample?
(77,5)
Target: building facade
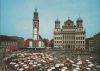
(97,46)
(69,36)
(28,43)
(90,44)
(11,42)
(20,41)
(7,43)
(37,39)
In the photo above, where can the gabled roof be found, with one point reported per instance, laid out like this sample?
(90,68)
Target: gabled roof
(40,37)
(68,24)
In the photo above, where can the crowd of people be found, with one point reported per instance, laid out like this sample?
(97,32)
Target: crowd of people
(29,61)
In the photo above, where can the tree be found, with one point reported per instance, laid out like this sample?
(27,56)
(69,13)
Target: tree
(51,43)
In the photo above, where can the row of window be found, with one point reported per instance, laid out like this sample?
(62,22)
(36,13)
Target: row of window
(58,42)
(8,43)
(79,38)
(70,42)
(58,38)
(80,41)
(70,34)
(69,37)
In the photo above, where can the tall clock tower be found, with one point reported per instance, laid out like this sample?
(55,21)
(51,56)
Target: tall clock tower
(36,27)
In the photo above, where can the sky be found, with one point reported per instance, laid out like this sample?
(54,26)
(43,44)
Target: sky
(16,16)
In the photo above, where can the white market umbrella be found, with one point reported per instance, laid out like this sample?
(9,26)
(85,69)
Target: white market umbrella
(30,63)
(16,65)
(75,70)
(49,70)
(26,67)
(57,65)
(13,63)
(63,69)
(52,67)
(88,69)
(21,69)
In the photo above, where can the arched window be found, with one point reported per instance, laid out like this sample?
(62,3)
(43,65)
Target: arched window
(34,25)
(68,46)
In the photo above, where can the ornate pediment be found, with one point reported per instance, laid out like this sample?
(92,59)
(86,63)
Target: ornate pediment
(69,24)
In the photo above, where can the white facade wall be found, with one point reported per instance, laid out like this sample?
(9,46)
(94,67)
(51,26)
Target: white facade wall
(74,39)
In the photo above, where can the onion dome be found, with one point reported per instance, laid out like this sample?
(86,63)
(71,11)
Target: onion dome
(57,21)
(35,13)
(79,20)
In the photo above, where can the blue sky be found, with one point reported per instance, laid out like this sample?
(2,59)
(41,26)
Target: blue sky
(16,15)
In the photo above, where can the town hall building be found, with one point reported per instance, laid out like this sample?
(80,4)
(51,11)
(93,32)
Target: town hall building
(70,36)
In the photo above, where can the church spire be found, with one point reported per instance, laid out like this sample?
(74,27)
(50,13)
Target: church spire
(57,21)
(35,9)
(35,14)
(79,20)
